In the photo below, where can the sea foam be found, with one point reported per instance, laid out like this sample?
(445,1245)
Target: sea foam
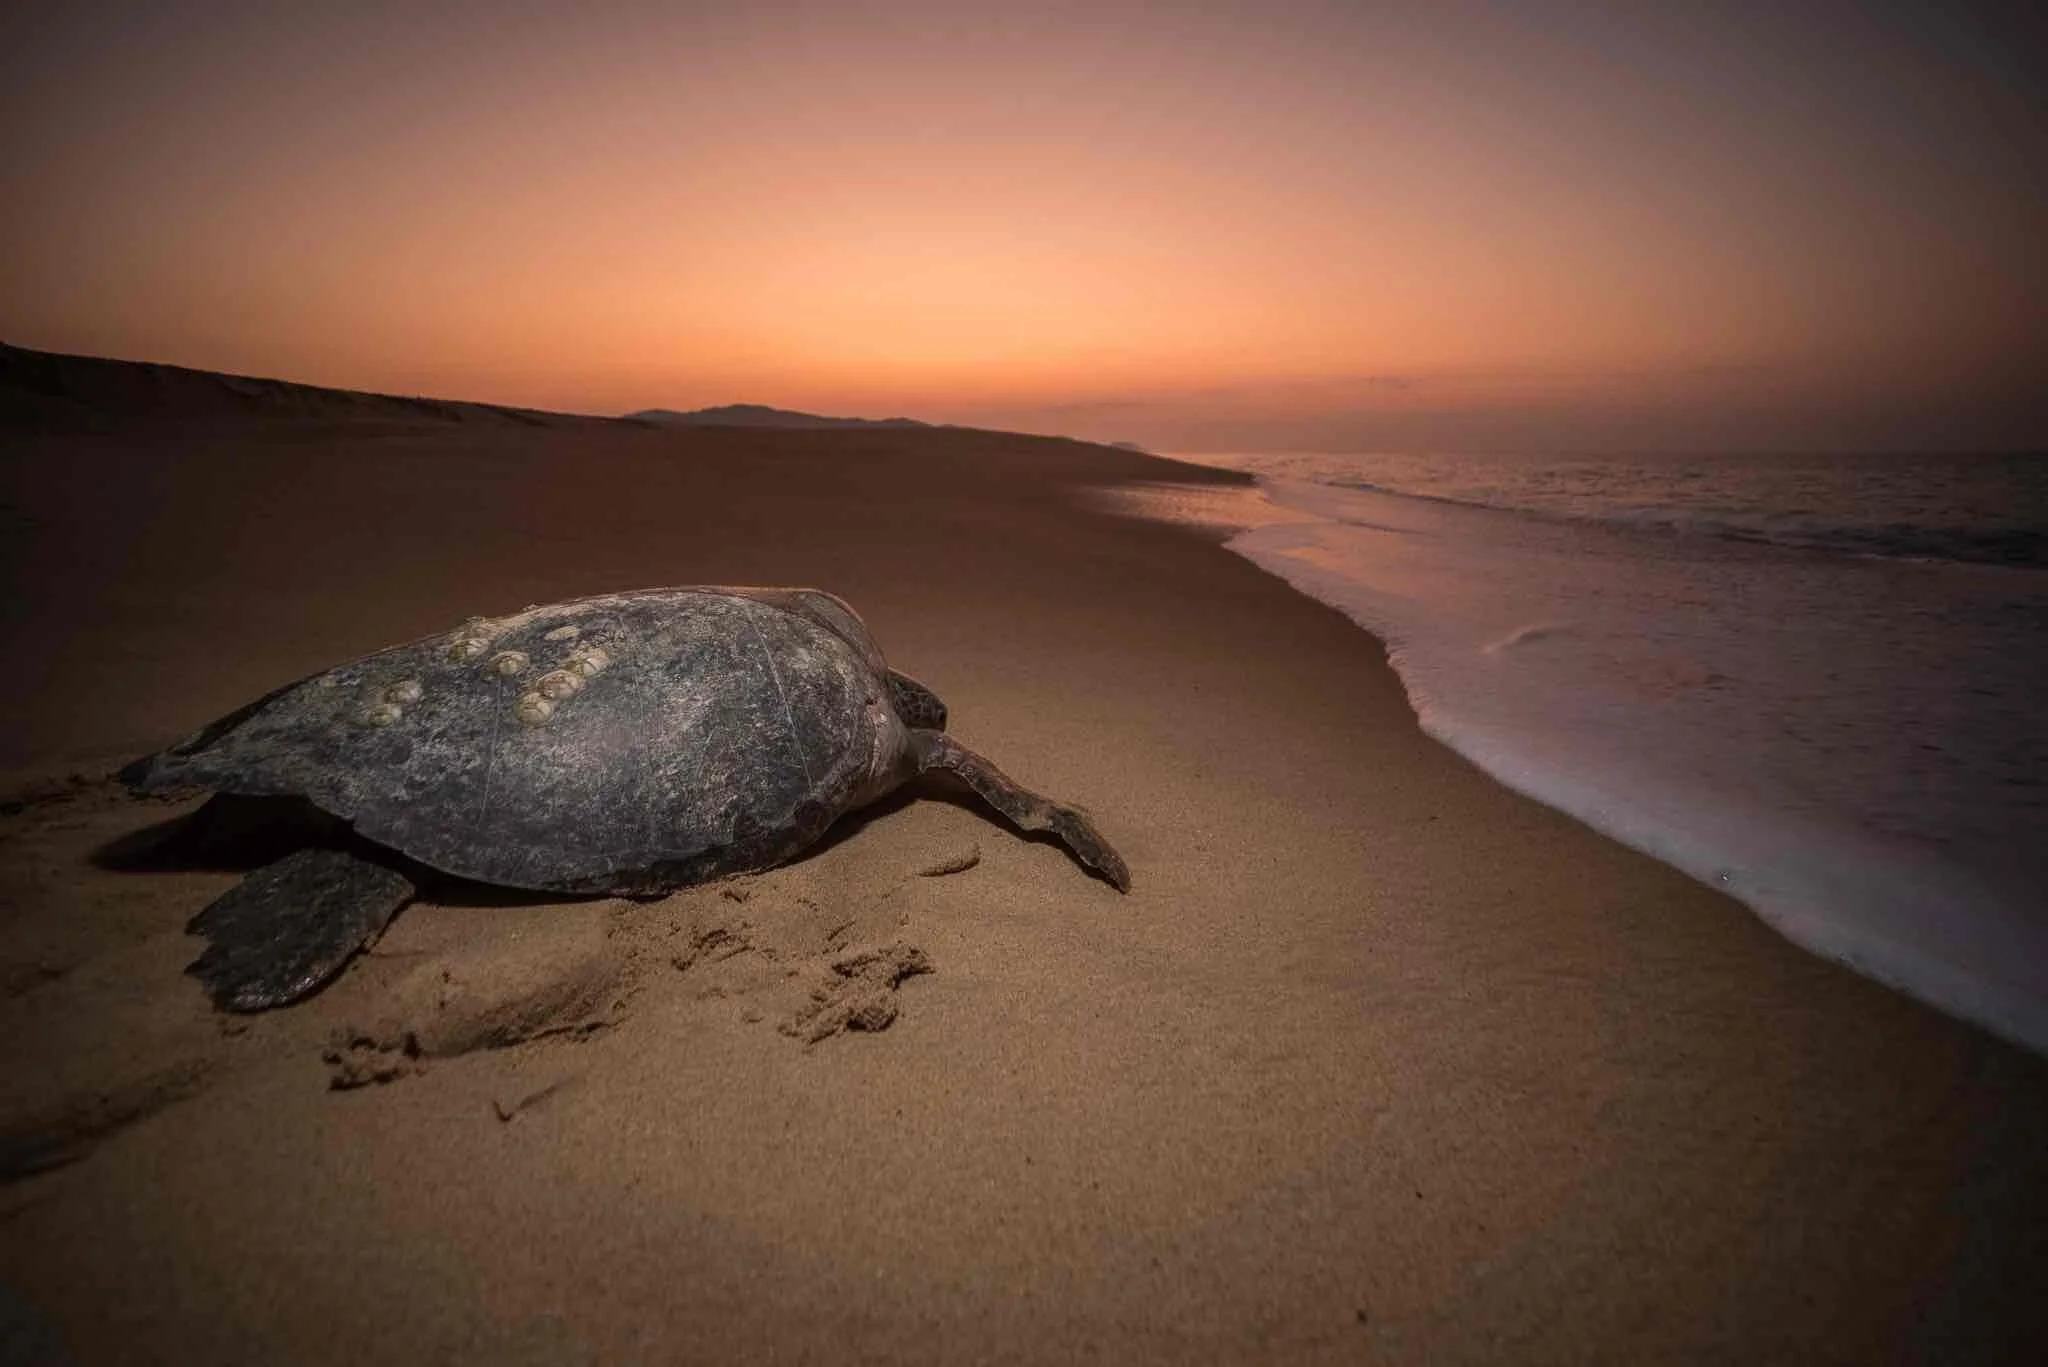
(1848,744)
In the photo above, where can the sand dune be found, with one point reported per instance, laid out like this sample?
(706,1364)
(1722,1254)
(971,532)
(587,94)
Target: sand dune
(1376,1062)
(45,389)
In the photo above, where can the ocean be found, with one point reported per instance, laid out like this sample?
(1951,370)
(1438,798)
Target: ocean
(1819,683)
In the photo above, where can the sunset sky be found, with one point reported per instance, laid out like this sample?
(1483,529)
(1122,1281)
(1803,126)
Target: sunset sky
(1534,226)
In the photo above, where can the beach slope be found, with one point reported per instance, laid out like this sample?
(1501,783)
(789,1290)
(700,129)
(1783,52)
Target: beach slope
(1377,1061)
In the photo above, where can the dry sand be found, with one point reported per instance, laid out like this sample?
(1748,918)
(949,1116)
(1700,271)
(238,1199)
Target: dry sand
(1377,1061)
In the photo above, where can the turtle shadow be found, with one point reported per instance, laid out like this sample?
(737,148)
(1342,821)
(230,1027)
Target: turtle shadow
(234,833)
(228,833)
(935,786)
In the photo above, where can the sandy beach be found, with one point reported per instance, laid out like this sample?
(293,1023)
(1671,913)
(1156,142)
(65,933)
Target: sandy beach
(1377,1061)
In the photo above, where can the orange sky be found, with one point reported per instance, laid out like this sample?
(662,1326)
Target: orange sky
(1201,226)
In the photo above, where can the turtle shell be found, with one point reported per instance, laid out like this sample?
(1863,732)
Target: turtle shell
(630,742)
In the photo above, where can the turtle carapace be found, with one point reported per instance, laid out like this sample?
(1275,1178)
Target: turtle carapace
(631,743)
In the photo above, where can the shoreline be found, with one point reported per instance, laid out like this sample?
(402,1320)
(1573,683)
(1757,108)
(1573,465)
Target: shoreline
(1378,1059)
(1847,900)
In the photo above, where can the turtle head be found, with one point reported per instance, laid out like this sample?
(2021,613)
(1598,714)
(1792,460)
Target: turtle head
(917,706)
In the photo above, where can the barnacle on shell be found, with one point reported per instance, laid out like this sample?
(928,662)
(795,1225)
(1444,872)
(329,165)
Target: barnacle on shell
(558,683)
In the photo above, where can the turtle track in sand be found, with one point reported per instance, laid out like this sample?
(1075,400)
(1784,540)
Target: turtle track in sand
(815,970)
(92,1005)
(94,1002)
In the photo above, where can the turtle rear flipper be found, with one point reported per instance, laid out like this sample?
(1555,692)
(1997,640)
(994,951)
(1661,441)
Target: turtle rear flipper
(1024,808)
(286,930)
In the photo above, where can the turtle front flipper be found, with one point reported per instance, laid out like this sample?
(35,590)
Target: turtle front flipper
(284,931)
(1024,808)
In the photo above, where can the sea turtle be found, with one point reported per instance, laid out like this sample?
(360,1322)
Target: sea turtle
(630,743)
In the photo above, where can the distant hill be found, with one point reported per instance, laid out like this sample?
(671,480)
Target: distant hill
(758,415)
(48,390)
(1128,446)
(39,388)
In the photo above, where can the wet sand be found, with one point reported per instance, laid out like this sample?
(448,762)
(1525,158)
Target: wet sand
(1377,1061)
